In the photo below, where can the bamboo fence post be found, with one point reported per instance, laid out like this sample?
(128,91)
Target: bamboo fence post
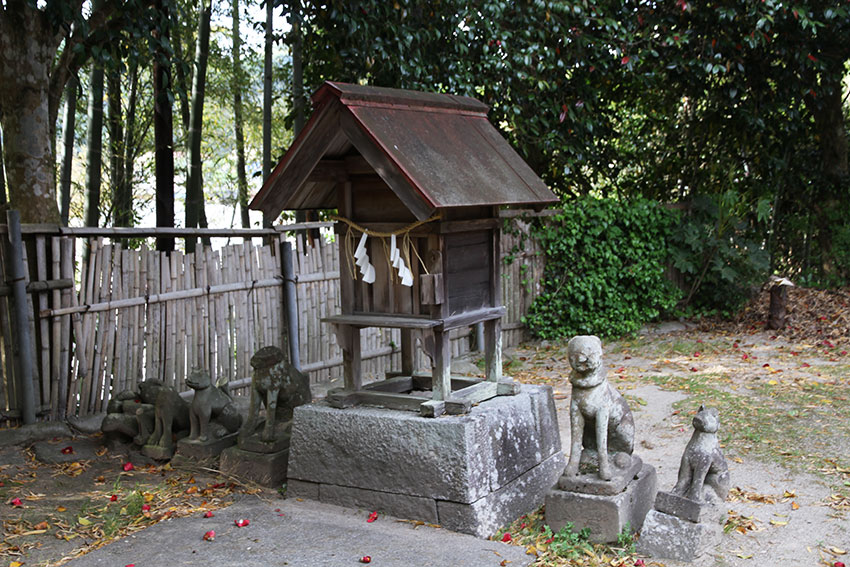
(55,332)
(44,327)
(19,291)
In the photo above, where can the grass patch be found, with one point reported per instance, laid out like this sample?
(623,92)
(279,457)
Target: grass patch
(780,422)
(567,546)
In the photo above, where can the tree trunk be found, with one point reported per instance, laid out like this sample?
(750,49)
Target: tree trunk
(163,134)
(94,146)
(298,102)
(2,172)
(241,177)
(267,101)
(194,185)
(832,135)
(120,208)
(130,144)
(68,126)
(27,52)
(182,80)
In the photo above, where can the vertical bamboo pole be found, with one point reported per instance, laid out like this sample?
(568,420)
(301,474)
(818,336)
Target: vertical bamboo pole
(44,327)
(19,292)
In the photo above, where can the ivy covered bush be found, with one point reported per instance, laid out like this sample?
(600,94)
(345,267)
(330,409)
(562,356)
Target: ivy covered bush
(604,269)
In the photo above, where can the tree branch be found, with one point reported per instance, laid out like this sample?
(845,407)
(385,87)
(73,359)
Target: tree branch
(67,63)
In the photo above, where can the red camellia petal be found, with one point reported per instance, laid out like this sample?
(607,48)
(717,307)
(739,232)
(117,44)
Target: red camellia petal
(16,502)
(130,565)
(208,514)
(128,467)
(68,450)
(639,563)
(209,536)
(366,559)
(838,564)
(506,537)
(113,498)
(242,522)
(372,517)
(146,507)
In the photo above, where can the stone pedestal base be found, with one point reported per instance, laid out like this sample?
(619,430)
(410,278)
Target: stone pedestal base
(193,452)
(667,537)
(266,469)
(605,515)
(158,453)
(472,473)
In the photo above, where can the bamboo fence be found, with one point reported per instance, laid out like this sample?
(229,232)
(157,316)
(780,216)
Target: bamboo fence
(135,313)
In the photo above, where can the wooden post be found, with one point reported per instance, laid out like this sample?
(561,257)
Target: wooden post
(441,384)
(19,295)
(407,352)
(348,337)
(290,304)
(493,350)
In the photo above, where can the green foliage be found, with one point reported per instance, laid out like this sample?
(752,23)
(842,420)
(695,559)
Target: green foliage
(568,543)
(626,540)
(712,247)
(605,265)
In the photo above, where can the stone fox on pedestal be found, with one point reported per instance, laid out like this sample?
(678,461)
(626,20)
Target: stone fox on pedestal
(703,463)
(600,418)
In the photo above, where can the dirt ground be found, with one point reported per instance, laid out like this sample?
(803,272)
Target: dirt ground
(783,402)
(785,431)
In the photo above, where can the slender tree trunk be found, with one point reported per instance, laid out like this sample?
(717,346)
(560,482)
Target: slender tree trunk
(194,185)
(120,208)
(267,100)
(94,146)
(2,171)
(241,177)
(68,125)
(163,134)
(130,144)
(298,102)
(182,80)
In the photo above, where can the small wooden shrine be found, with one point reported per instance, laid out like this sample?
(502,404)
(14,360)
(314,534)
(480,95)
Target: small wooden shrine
(417,180)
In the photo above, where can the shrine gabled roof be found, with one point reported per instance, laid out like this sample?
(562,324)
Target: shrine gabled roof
(435,151)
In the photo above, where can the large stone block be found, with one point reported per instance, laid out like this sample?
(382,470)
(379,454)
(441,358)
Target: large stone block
(486,515)
(667,537)
(398,505)
(193,452)
(456,458)
(266,469)
(687,509)
(479,471)
(605,515)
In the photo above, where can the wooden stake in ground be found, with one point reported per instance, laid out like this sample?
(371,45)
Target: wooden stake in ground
(778,302)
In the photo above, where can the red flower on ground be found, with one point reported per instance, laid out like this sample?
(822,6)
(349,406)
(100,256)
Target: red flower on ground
(68,450)
(372,517)
(16,502)
(208,514)
(242,522)
(507,537)
(209,536)
(113,498)
(366,559)
(146,507)
(128,467)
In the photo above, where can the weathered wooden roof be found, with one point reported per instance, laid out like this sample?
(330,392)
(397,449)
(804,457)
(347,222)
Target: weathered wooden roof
(434,151)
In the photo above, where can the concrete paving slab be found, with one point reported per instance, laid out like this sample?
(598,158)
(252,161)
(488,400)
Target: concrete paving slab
(301,534)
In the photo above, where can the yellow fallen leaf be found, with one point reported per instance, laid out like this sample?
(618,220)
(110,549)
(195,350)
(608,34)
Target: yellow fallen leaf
(531,550)
(84,521)
(738,459)
(148,497)
(789,494)
(41,526)
(772,382)
(745,555)
(15,564)
(60,508)
(795,506)
(837,551)
(778,523)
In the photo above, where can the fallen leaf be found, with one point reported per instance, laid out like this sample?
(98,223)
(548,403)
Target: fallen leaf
(41,526)
(84,521)
(837,551)
(60,509)
(531,550)
(778,523)
(795,506)
(15,564)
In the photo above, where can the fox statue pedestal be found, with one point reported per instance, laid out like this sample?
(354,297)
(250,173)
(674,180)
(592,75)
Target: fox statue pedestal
(604,488)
